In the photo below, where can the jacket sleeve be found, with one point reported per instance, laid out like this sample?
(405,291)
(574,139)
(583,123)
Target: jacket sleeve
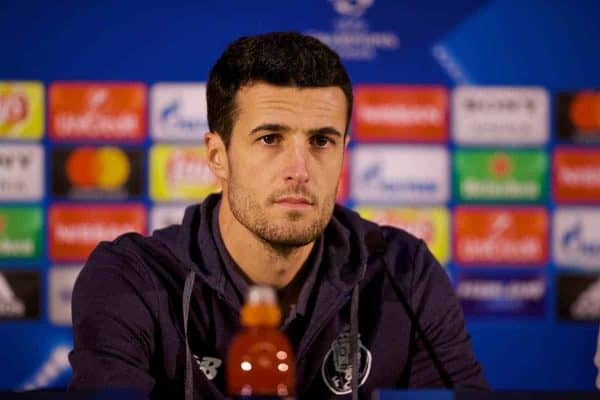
(440,315)
(113,325)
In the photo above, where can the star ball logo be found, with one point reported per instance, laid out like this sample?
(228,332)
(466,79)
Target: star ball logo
(350,33)
(351,8)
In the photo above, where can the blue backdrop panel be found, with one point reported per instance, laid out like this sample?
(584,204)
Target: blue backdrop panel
(547,43)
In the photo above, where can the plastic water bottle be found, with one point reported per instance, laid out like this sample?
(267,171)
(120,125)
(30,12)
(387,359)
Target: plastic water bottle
(260,363)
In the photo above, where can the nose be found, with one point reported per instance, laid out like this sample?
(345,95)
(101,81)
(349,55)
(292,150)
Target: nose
(296,168)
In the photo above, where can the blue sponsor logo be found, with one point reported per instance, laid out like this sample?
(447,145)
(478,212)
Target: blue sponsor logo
(373,178)
(171,118)
(573,242)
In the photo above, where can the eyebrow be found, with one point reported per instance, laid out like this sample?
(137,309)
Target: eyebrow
(326,130)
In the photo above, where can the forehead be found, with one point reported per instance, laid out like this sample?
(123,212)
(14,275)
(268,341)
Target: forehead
(262,102)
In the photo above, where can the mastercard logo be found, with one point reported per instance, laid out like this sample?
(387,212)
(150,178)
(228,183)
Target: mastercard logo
(105,168)
(584,111)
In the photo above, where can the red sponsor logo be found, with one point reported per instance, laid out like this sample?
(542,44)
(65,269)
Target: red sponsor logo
(584,112)
(401,113)
(74,230)
(111,111)
(576,175)
(501,236)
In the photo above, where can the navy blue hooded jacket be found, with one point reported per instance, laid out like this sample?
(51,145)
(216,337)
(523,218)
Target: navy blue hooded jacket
(129,304)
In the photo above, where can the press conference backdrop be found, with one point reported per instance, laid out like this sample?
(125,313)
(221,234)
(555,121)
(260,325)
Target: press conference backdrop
(476,127)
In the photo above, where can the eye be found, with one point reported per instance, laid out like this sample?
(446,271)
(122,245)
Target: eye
(321,141)
(269,139)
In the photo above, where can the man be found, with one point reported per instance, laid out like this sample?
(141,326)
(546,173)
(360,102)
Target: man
(352,293)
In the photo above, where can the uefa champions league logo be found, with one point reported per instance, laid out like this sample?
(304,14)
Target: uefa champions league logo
(351,8)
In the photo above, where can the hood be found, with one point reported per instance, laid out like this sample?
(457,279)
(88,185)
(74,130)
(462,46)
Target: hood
(192,243)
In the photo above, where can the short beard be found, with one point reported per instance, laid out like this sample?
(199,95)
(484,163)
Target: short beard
(282,236)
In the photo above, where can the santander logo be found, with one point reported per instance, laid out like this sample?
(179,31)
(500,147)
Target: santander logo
(400,114)
(91,232)
(74,230)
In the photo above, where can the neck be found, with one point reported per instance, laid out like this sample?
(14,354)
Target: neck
(263,262)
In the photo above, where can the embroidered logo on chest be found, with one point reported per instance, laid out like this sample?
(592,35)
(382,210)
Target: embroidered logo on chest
(337,366)
(208,365)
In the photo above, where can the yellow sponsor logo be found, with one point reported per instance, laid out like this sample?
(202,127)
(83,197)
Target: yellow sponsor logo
(21,110)
(430,224)
(180,173)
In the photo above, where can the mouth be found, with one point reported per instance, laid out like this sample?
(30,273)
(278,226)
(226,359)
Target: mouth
(296,203)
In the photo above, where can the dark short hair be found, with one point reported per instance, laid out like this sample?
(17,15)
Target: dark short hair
(281,58)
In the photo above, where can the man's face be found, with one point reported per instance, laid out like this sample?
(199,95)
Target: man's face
(285,156)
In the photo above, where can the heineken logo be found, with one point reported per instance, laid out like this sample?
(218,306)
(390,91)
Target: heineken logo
(20,232)
(501,165)
(500,176)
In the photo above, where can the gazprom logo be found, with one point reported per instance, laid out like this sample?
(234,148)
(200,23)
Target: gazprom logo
(374,178)
(399,174)
(178,111)
(577,237)
(172,118)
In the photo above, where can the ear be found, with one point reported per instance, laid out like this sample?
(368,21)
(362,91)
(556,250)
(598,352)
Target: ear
(216,155)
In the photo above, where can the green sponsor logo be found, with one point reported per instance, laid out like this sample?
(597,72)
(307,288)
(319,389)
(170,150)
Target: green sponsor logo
(20,232)
(514,175)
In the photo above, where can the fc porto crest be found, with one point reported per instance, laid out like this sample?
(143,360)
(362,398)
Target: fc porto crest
(337,365)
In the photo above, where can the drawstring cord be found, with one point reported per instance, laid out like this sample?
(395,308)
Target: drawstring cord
(189,375)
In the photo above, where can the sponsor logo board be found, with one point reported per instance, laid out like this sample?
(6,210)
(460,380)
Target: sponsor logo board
(165,215)
(399,174)
(21,232)
(400,113)
(576,175)
(578,116)
(430,224)
(500,175)
(180,173)
(75,230)
(103,172)
(21,172)
(501,236)
(61,280)
(19,294)
(21,110)
(576,237)
(578,297)
(509,116)
(178,111)
(502,295)
(97,111)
